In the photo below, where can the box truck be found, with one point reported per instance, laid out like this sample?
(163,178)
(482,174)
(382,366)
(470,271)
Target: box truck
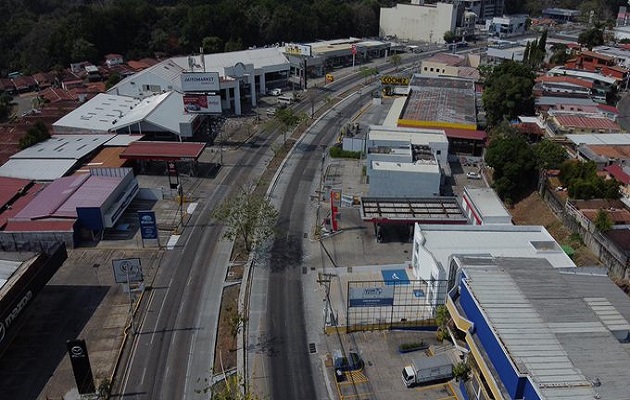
(428,369)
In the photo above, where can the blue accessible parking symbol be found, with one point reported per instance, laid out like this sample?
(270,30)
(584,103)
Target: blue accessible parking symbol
(395,276)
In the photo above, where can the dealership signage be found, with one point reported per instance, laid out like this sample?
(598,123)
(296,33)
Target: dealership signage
(200,82)
(395,80)
(379,296)
(148,225)
(201,103)
(81,366)
(298,49)
(8,320)
(127,270)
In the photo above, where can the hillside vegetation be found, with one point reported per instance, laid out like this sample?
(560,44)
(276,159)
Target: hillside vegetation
(38,35)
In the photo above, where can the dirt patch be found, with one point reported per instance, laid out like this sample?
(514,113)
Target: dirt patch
(235,272)
(533,210)
(225,349)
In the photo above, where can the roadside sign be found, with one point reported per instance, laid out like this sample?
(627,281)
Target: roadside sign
(148,224)
(127,268)
(378,296)
(354,49)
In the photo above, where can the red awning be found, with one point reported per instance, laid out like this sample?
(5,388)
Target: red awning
(163,151)
(465,134)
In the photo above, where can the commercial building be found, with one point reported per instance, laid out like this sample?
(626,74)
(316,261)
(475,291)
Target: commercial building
(497,52)
(434,247)
(319,58)
(22,277)
(561,14)
(418,21)
(507,25)
(453,65)
(535,330)
(59,155)
(483,207)
(69,209)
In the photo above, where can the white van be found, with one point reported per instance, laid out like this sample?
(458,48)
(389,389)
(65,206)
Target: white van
(285,100)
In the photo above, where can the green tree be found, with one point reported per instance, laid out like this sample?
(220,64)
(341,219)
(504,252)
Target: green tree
(461,371)
(212,44)
(287,119)
(508,92)
(591,37)
(35,134)
(112,80)
(449,37)
(559,53)
(526,53)
(396,60)
(247,216)
(603,221)
(549,155)
(514,165)
(542,41)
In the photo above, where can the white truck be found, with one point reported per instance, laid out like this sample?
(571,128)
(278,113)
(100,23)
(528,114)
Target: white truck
(425,370)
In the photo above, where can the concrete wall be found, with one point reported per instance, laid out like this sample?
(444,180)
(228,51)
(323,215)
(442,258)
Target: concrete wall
(435,69)
(39,242)
(403,184)
(414,22)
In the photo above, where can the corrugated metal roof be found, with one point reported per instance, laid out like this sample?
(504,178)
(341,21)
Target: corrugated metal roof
(609,139)
(41,226)
(98,114)
(52,197)
(71,147)
(9,188)
(37,170)
(92,193)
(260,58)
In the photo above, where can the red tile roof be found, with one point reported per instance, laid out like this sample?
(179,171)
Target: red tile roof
(565,79)
(618,173)
(163,151)
(607,108)
(597,55)
(577,121)
(530,128)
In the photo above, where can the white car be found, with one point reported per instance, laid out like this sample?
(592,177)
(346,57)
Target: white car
(275,92)
(473,175)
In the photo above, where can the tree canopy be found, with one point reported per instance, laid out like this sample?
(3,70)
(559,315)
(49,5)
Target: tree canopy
(36,35)
(508,92)
(513,162)
(549,155)
(583,182)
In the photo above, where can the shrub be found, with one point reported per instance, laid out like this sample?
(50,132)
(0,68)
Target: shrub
(338,152)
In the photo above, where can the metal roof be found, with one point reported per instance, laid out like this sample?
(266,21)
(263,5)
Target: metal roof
(73,147)
(176,151)
(577,121)
(97,114)
(260,58)
(419,166)
(37,170)
(166,111)
(443,241)
(487,202)
(415,136)
(433,209)
(609,139)
(9,188)
(563,329)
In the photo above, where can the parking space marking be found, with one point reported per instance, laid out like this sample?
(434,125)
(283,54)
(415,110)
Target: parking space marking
(356,377)
(430,387)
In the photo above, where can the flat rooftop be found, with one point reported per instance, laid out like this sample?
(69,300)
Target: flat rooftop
(609,139)
(426,166)
(430,210)
(562,327)
(441,100)
(415,136)
(487,202)
(442,241)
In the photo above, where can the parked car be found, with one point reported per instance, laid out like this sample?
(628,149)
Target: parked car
(274,92)
(271,112)
(473,175)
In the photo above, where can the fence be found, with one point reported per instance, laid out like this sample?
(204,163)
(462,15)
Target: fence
(609,254)
(390,304)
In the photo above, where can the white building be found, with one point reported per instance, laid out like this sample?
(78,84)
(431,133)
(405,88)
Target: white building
(434,247)
(507,25)
(420,178)
(482,206)
(504,50)
(418,22)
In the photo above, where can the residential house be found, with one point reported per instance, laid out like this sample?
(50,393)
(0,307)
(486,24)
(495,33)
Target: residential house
(113,59)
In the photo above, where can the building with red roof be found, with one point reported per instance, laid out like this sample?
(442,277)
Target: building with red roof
(563,124)
(71,208)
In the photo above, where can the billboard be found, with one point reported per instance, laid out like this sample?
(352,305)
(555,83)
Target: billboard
(378,296)
(297,49)
(127,267)
(200,82)
(201,103)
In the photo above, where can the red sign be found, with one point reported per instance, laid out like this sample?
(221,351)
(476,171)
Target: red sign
(201,103)
(354,49)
